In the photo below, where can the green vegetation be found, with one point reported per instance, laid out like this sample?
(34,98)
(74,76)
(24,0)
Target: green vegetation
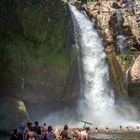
(84,1)
(94,0)
(34,34)
(122,59)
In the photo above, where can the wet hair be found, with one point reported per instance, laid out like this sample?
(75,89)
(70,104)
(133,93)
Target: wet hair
(15,131)
(29,124)
(49,128)
(36,122)
(65,127)
(87,128)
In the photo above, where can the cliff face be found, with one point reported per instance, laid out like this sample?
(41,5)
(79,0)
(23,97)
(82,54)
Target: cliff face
(13,112)
(118,23)
(134,79)
(37,64)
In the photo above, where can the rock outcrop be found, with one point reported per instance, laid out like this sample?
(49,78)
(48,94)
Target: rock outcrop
(133,87)
(137,13)
(119,26)
(135,71)
(12,113)
(38,64)
(104,13)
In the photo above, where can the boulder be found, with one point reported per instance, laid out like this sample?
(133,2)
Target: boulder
(12,113)
(135,70)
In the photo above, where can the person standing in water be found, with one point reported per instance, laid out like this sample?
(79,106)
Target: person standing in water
(64,133)
(84,134)
(50,134)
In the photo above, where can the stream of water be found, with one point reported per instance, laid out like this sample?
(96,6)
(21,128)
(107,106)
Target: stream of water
(98,105)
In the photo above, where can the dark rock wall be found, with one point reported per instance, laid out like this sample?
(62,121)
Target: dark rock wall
(37,64)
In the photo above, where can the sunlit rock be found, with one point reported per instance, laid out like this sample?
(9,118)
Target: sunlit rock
(135,70)
(104,13)
(12,113)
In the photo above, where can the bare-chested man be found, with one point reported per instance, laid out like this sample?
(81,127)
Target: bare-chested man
(84,134)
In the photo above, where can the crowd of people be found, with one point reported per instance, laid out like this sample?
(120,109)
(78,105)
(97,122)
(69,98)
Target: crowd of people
(44,132)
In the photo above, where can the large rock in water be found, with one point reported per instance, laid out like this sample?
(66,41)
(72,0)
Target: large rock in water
(12,113)
(135,70)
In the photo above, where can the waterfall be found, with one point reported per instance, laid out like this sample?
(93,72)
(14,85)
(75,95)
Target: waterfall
(97,105)
(120,21)
(120,40)
(126,78)
(96,102)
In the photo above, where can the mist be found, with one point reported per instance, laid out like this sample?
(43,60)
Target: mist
(97,104)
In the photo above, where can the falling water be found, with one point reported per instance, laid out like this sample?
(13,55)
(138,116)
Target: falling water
(120,40)
(120,21)
(97,105)
(126,78)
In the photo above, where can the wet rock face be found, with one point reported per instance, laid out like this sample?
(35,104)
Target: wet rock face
(135,70)
(137,13)
(105,14)
(119,24)
(12,113)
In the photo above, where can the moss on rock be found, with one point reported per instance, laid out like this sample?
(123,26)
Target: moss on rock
(13,112)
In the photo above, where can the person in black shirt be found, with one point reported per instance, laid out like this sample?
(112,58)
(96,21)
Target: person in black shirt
(37,128)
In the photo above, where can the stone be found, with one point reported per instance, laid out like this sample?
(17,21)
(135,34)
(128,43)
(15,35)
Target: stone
(135,70)
(12,113)
(104,13)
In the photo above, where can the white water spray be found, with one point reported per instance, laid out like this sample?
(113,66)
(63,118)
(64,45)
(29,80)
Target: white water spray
(97,105)
(126,78)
